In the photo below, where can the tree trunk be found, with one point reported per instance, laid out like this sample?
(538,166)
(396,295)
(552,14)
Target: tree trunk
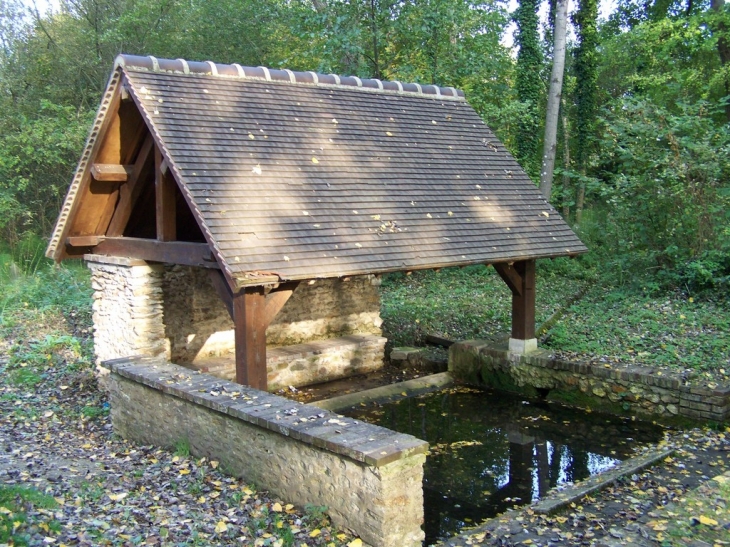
(553,105)
(566,165)
(723,47)
(580,199)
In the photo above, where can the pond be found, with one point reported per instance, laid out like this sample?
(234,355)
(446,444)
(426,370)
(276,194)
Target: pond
(492,450)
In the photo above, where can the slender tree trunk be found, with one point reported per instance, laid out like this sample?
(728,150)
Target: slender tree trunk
(723,47)
(553,105)
(580,200)
(566,165)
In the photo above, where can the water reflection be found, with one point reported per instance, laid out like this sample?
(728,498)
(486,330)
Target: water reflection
(490,451)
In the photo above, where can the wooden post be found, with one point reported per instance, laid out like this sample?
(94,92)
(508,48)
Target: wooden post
(252,312)
(164,200)
(249,308)
(520,278)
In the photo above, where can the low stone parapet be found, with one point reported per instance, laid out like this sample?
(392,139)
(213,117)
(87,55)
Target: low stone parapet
(627,389)
(369,477)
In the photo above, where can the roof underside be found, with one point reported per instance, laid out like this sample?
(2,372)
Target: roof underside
(308,181)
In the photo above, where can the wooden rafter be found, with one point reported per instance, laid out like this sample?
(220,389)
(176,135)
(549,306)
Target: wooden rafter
(130,191)
(111,172)
(165,194)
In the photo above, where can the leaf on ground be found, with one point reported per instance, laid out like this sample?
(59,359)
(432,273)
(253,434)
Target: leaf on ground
(221,527)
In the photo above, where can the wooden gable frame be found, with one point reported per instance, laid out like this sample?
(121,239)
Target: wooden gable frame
(112,182)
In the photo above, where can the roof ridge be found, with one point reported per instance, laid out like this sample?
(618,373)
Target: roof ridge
(236,71)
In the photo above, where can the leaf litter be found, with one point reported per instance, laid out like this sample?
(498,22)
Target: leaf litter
(56,441)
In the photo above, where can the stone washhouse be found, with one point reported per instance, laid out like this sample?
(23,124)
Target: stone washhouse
(237,220)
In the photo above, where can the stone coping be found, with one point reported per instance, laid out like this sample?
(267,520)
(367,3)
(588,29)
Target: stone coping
(370,444)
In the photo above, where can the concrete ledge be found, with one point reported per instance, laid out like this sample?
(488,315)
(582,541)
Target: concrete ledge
(368,476)
(392,392)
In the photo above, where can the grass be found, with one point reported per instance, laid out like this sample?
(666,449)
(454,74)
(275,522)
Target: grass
(18,520)
(466,303)
(663,330)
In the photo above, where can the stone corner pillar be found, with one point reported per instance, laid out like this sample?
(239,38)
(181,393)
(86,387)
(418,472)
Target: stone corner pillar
(127,307)
(522,346)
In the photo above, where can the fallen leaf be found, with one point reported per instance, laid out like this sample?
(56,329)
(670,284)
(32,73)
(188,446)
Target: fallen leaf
(221,527)
(276,507)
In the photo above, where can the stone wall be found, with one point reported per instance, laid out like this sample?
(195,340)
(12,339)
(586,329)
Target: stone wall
(127,308)
(630,389)
(197,323)
(328,328)
(370,478)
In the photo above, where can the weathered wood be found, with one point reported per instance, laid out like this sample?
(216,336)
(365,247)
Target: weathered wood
(171,252)
(165,188)
(523,304)
(130,192)
(84,241)
(276,299)
(110,172)
(223,289)
(249,308)
(510,277)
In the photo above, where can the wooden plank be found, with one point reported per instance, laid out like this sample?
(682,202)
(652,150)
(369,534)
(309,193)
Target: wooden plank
(250,335)
(170,252)
(130,192)
(110,172)
(523,304)
(223,289)
(84,241)
(165,194)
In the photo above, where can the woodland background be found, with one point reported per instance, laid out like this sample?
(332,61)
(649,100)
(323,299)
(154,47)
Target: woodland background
(643,148)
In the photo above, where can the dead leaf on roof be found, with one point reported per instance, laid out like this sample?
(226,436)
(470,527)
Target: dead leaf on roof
(305,213)
(315,160)
(250,136)
(434,122)
(389,133)
(358,245)
(545,214)
(429,215)
(479,187)
(334,121)
(450,214)
(256,169)
(355,212)
(286,258)
(375,217)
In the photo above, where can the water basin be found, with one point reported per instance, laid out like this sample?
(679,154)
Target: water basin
(491,450)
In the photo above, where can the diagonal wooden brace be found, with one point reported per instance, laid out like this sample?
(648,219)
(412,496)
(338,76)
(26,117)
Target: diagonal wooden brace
(252,311)
(520,278)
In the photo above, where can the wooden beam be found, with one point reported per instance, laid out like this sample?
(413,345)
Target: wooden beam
(510,276)
(110,172)
(171,252)
(276,299)
(165,194)
(223,289)
(84,241)
(130,192)
(523,304)
(250,334)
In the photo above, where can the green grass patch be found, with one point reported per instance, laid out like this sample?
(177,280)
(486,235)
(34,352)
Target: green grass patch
(632,326)
(16,504)
(467,303)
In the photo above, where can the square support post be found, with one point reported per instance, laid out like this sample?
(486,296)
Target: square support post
(520,278)
(249,308)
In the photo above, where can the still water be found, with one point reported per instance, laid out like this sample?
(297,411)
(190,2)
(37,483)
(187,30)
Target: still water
(491,450)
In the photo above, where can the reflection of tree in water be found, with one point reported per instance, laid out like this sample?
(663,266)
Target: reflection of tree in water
(490,451)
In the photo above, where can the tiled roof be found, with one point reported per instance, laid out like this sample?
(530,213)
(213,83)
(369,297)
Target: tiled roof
(310,176)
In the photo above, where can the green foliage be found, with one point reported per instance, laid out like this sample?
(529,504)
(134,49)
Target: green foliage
(586,74)
(666,187)
(529,85)
(182,448)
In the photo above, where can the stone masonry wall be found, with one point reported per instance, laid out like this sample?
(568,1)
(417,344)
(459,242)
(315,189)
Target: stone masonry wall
(127,308)
(633,390)
(370,478)
(197,323)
